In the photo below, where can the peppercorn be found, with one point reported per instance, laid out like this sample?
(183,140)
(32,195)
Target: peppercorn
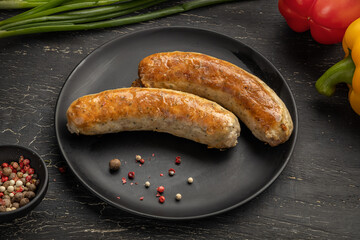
(19,183)
(4,179)
(142,161)
(178,197)
(15,165)
(147,184)
(190,180)
(6,184)
(137,157)
(171,172)
(18,196)
(28,178)
(29,195)
(2,189)
(12,175)
(7,202)
(26,168)
(131,175)
(10,189)
(16,205)
(178,160)
(161,199)
(7,171)
(114,164)
(2,208)
(26,162)
(24,201)
(161,189)
(32,187)
(31,171)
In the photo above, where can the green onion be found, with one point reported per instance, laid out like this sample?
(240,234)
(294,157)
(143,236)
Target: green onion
(51,20)
(19,4)
(37,9)
(37,17)
(91,18)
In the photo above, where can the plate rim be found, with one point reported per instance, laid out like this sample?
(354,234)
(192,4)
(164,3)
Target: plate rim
(187,28)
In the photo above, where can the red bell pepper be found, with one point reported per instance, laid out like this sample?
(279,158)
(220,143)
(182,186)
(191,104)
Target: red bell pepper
(326,19)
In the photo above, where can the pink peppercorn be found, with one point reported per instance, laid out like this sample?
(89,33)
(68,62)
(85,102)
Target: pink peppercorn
(178,160)
(171,172)
(161,189)
(26,162)
(131,175)
(15,165)
(28,178)
(161,199)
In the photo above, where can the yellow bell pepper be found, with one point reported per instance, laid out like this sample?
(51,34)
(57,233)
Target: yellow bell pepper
(347,70)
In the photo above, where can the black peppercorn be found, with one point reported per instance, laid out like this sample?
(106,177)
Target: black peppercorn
(7,202)
(2,208)
(114,164)
(6,184)
(32,187)
(7,171)
(15,205)
(18,196)
(29,195)
(24,201)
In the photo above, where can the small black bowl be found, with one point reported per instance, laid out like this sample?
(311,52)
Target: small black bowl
(9,153)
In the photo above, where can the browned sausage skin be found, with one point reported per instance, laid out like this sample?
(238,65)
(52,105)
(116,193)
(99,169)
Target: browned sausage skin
(178,113)
(255,103)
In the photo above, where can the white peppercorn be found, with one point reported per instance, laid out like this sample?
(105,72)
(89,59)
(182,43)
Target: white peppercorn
(190,180)
(178,197)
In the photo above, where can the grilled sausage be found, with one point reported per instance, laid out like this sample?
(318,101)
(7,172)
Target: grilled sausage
(255,103)
(162,110)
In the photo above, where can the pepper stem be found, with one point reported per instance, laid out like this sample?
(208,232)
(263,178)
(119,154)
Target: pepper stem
(341,72)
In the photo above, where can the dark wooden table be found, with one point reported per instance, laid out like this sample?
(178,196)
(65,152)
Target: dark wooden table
(316,196)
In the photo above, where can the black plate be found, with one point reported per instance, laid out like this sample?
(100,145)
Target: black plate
(222,180)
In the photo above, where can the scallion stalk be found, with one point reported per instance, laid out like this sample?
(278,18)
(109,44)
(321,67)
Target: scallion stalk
(89,22)
(88,12)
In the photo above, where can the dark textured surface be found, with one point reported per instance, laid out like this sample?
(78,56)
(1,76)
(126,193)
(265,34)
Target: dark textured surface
(317,195)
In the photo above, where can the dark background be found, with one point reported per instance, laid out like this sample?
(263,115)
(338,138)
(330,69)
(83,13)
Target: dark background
(316,196)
